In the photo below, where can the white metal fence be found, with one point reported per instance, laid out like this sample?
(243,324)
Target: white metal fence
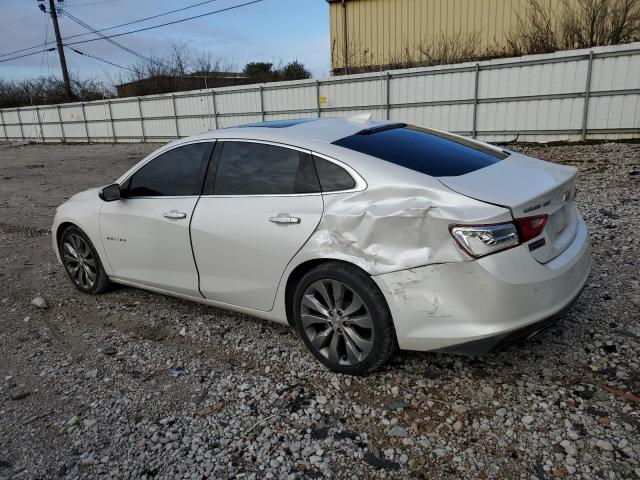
(571,95)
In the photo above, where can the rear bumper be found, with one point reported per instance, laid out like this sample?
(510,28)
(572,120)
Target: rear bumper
(470,307)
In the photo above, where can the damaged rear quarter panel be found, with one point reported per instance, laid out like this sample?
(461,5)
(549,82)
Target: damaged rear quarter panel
(390,228)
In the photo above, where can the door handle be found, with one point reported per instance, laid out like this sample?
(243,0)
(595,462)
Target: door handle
(285,218)
(174,215)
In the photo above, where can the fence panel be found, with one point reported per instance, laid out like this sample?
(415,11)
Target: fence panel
(571,95)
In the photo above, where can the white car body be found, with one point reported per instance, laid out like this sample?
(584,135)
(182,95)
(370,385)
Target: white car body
(394,224)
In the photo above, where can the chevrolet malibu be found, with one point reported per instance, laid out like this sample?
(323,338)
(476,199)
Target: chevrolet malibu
(364,236)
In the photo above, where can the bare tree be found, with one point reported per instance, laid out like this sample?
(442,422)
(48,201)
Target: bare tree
(49,90)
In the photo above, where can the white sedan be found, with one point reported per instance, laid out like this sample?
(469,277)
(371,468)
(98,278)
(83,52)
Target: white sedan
(364,236)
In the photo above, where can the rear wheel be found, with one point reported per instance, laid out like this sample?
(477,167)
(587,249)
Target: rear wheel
(344,319)
(81,261)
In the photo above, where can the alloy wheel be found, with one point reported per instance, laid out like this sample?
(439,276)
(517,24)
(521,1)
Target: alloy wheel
(79,261)
(337,322)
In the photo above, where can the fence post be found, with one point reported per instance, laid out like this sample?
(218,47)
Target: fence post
(144,137)
(20,124)
(262,102)
(40,124)
(64,138)
(387,94)
(86,126)
(175,114)
(318,106)
(113,130)
(474,128)
(4,128)
(215,109)
(587,93)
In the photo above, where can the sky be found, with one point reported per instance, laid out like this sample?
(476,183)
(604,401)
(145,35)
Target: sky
(276,31)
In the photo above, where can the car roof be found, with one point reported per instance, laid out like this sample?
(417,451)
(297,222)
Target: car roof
(319,129)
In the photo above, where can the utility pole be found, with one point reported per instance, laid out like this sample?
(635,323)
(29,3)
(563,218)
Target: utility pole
(63,61)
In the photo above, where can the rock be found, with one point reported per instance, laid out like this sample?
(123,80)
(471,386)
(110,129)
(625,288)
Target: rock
(403,459)
(19,394)
(398,431)
(395,390)
(183,331)
(457,426)
(636,300)
(244,386)
(398,404)
(488,391)
(458,408)
(321,399)
(176,372)
(379,463)
(40,302)
(604,445)
(89,422)
(527,419)
(109,350)
(501,412)
(608,213)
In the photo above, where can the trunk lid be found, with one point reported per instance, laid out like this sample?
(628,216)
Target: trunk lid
(528,187)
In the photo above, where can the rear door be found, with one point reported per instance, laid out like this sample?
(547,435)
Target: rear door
(260,205)
(146,232)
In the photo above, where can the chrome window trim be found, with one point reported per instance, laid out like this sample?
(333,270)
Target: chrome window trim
(359,181)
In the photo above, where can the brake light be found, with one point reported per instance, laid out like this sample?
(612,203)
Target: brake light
(481,240)
(530,227)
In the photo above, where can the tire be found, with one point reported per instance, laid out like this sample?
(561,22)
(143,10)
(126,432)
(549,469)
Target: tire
(344,319)
(81,262)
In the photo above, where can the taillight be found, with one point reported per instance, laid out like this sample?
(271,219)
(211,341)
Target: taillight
(530,227)
(481,240)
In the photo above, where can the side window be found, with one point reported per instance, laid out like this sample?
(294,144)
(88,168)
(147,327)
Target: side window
(333,177)
(247,168)
(178,172)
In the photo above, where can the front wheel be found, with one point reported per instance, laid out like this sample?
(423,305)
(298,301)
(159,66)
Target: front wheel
(344,319)
(81,261)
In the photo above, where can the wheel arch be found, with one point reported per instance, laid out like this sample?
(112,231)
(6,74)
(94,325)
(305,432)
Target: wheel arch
(300,271)
(61,228)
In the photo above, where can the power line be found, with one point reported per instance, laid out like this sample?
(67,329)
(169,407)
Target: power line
(100,59)
(142,19)
(92,3)
(119,45)
(109,28)
(28,54)
(168,23)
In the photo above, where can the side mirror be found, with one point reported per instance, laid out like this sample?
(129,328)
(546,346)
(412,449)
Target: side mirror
(110,193)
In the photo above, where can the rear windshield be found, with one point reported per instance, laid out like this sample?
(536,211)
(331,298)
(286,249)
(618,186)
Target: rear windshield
(426,151)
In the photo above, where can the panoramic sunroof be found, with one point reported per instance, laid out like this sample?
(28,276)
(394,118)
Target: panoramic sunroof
(279,123)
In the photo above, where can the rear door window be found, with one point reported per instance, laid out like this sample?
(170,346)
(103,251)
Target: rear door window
(425,151)
(249,168)
(333,178)
(177,172)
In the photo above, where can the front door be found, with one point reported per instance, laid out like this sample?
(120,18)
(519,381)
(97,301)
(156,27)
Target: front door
(146,233)
(262,207)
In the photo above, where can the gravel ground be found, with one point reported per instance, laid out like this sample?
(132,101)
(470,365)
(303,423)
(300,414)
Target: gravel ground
(132,384)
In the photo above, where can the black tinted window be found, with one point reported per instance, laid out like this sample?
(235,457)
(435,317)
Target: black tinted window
(422,150)
(333,177)
(178,172)
(247,168)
